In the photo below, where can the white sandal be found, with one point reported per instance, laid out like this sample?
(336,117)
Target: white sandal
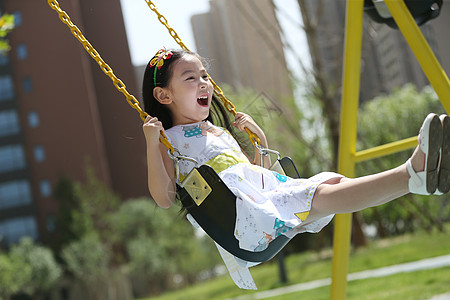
(430,142)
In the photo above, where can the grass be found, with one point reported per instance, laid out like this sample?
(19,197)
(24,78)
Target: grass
(418,285)
(310,266)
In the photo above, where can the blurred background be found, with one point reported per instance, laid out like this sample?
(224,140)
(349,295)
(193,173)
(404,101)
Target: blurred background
(76,218)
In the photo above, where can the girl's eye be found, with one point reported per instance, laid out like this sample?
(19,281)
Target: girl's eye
(206,77)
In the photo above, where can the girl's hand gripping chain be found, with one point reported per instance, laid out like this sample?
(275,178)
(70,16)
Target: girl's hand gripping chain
(243,121)
(161,182)
(152,129)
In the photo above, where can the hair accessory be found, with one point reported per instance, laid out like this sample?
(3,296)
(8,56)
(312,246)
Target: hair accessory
(158,60)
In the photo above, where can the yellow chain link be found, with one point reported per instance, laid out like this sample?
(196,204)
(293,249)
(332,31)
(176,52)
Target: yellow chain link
(217,90)
(120,86)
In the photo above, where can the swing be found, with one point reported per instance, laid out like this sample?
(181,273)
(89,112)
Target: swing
(422,11)
(202,193)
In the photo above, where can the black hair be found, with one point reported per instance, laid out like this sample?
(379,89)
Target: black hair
(218,114)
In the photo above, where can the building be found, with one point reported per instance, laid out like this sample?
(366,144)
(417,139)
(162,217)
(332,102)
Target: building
(387,60)
(242,41)
(59,113)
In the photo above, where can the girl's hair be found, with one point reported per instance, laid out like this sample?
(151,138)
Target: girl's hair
(218,115)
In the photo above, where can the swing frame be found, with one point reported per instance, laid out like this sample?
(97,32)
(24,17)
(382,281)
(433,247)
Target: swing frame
(348,156)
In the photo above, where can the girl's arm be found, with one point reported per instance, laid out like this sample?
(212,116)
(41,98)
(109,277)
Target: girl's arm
(243,121)
(161,182)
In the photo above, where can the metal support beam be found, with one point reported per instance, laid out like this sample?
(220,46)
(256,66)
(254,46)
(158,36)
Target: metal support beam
(347,143)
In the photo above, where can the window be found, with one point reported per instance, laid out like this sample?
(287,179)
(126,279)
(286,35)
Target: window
(6,88)
(39,153)
(12,157)
(27,85)
(9,123)
(14,193)
(51,223)
(17,18)
(33,119)
(22,51)
(13,229)
(4,59)
(45,188)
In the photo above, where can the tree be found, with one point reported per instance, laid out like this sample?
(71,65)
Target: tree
(14,276)
(95,202)
(6,25)
(85,242)
(87,259)
(64,194)
(151,244)
(324,87)
(83,208)
(44,269)
(160,244)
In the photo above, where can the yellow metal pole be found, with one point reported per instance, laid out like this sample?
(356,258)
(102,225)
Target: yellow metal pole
(387,149)
(427,60)
(347,143)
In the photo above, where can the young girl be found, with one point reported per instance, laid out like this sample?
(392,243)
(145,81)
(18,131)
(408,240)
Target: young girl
(179,98)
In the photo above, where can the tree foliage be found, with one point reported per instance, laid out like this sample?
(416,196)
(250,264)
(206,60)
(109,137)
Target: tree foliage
(87,259)
(6,25)
(44,270)
(64,194)
(96,201)
(15,274)
(160,244)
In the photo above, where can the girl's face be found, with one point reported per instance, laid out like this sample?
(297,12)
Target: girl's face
(190,91)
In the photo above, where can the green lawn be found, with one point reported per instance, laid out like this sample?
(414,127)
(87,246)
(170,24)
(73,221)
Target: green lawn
(418,285)
(310,266)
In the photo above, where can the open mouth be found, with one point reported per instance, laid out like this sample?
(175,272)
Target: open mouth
(203,101)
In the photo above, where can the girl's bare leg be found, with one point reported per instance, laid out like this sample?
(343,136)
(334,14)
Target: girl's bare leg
(344,195)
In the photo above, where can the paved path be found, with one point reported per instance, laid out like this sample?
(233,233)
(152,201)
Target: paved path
(441,297)
(424,264)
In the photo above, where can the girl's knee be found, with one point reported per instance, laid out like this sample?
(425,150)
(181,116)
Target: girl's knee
(335,180)
(322,201)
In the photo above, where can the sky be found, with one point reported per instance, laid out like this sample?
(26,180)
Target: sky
(146,34)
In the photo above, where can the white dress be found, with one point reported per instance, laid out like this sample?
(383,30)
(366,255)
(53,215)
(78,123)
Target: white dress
(268,204)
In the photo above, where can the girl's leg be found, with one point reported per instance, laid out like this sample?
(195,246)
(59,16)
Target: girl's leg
(345,195)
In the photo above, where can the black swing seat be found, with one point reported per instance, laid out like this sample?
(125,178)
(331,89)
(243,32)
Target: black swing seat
(422,11)
(216,215)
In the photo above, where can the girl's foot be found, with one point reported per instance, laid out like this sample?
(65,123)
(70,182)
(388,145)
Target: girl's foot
(424,180)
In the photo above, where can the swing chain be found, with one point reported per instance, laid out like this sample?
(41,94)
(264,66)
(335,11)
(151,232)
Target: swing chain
(176,156)
(266,152)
